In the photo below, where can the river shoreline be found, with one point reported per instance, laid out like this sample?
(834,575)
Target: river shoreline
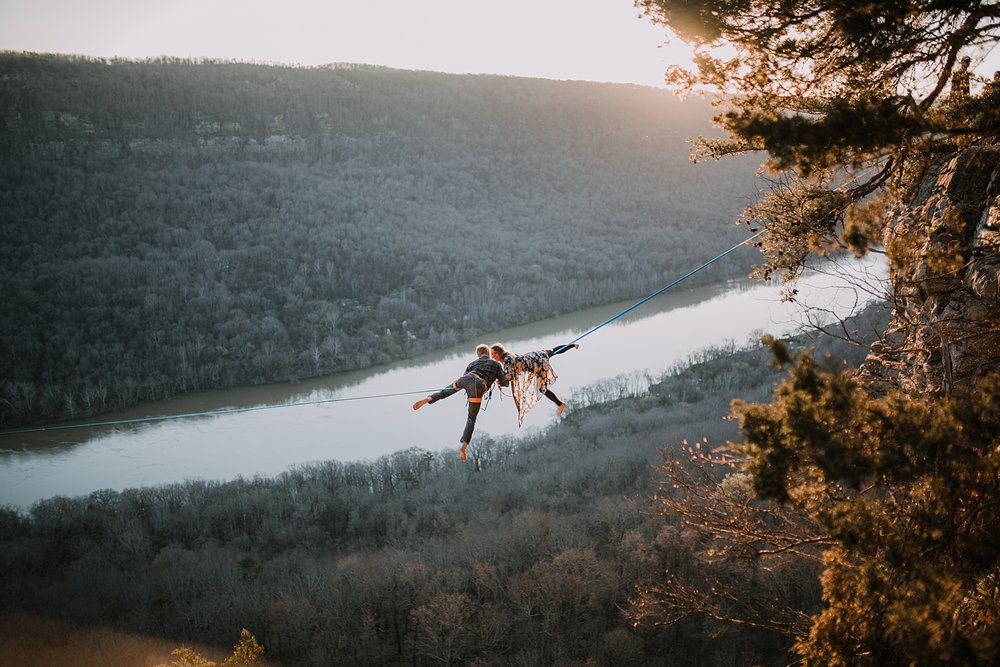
(329,423)
(245,396)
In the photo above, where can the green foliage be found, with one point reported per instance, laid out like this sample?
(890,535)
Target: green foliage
(808,144)
(863,225)
(894,490)
(171,226)
(908,489)
(846,99)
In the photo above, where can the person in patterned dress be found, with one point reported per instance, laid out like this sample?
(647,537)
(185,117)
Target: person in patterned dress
(530,376)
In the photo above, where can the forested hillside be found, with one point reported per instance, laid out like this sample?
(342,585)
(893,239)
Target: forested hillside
(172,226)
(526,555)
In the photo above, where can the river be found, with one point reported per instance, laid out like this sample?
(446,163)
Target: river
(646,342)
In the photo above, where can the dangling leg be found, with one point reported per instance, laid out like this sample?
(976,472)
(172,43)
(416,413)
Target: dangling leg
(555,399)
(470,426)
(474,390)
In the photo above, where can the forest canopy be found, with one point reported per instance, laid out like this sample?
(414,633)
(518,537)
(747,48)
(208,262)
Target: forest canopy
(175,225)
(524,555)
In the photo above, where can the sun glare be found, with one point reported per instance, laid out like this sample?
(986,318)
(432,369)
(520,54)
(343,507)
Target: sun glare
(557,39)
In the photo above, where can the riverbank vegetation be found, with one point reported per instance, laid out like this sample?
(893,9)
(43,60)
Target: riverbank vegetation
(171,226)
(527,554)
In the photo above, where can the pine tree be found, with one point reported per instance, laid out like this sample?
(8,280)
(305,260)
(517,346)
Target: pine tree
(847,98)
(889,478)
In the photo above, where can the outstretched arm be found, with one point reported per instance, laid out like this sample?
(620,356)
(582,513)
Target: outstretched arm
(559,349)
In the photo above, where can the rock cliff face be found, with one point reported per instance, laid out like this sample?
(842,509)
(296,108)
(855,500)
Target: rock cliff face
(945,263)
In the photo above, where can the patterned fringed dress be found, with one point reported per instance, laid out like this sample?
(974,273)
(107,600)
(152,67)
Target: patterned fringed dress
(530,376)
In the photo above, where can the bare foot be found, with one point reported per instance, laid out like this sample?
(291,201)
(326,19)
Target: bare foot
(559,410)
(461,452)
(421,403)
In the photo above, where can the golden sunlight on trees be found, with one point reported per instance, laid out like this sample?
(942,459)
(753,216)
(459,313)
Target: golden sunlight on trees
(908,489)
(246,653)
(893,498)
(847,99)
(883,484)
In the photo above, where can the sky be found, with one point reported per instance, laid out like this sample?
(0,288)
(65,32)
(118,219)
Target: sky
(594,40)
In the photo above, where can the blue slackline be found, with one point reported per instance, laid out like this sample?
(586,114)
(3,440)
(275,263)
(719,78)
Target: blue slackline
(230,411)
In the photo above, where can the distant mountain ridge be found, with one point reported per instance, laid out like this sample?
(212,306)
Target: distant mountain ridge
(172,225)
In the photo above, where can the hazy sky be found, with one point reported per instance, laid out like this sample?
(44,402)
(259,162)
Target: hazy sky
(597,40)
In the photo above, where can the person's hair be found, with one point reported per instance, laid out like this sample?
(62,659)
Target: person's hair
(500,349)
(482,349)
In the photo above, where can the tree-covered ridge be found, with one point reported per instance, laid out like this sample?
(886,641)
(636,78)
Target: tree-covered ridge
(172,226)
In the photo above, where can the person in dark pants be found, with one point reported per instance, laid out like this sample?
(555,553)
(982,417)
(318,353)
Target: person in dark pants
(530,376)
(479,376)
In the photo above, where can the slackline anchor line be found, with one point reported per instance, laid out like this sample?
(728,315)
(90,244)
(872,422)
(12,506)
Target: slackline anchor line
(208,413)
(231,411)
(659,292)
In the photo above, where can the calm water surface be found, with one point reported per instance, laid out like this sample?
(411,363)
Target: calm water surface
(649,340)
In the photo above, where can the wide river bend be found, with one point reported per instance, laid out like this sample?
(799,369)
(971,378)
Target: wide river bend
(647,342)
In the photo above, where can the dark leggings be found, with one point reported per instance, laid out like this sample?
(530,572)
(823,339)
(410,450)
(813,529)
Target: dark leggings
(475,388)
(553,352)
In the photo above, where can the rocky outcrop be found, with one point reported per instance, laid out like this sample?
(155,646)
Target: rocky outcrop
(945,264)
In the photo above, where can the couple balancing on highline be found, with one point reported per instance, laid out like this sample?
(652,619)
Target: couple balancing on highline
(528,375)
